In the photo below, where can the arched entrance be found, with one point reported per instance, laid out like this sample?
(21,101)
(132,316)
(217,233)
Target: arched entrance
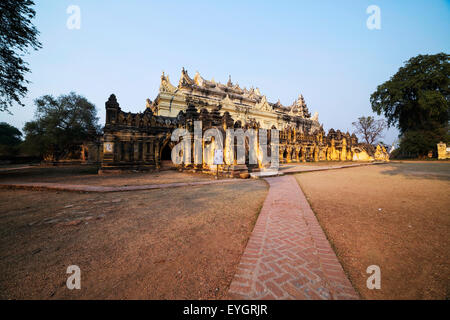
(294,155)
(285,153)
(166,157)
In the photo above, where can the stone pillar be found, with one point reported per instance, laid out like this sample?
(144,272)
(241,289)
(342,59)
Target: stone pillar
(442,151)
(323,154)
(334,154)
(151,152)
(118,150)
(157,155)
(140,150)
(135,151)
(126,149)
(349,155)
(147,150)
(344,153)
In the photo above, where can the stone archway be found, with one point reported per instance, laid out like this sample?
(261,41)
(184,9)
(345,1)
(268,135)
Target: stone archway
(165,155)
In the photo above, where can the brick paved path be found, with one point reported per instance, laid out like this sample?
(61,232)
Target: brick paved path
(288,255)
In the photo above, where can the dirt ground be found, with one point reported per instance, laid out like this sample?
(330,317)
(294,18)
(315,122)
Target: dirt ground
(178,243)
(88,175)
(396,216)
(319,164)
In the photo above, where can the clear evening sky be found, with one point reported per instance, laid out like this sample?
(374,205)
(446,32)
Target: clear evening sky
(322,49)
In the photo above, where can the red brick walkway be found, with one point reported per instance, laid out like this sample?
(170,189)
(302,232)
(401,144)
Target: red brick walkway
(288,256)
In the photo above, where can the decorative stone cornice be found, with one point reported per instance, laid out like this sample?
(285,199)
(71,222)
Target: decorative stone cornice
(165,85)
(263,105)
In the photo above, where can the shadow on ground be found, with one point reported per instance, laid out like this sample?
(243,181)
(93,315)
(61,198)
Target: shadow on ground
(433,171)
(36,172)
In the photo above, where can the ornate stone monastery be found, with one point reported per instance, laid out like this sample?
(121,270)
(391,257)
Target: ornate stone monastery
(142,141)
(243,105)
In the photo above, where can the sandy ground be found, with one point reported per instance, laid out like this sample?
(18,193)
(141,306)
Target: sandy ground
(396,216)
(88,175)
(179,243)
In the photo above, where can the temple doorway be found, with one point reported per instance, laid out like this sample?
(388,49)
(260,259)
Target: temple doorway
(166,157)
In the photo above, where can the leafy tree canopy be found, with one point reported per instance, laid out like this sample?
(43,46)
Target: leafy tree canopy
(61,125)
(9,135)
(417,101)
(17,36)
(417,97)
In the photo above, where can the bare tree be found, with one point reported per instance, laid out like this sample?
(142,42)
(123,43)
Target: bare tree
(369,129)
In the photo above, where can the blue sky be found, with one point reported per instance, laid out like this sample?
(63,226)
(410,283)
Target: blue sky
(321,49)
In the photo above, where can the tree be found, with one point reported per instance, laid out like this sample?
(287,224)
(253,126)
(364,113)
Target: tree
(17,36)
(10,139)
(417,143)
(9,135)
(417,100)
(369,129)
(61,125)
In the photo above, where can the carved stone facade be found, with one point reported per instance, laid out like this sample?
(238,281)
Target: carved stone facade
(142,141)
(243,105)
